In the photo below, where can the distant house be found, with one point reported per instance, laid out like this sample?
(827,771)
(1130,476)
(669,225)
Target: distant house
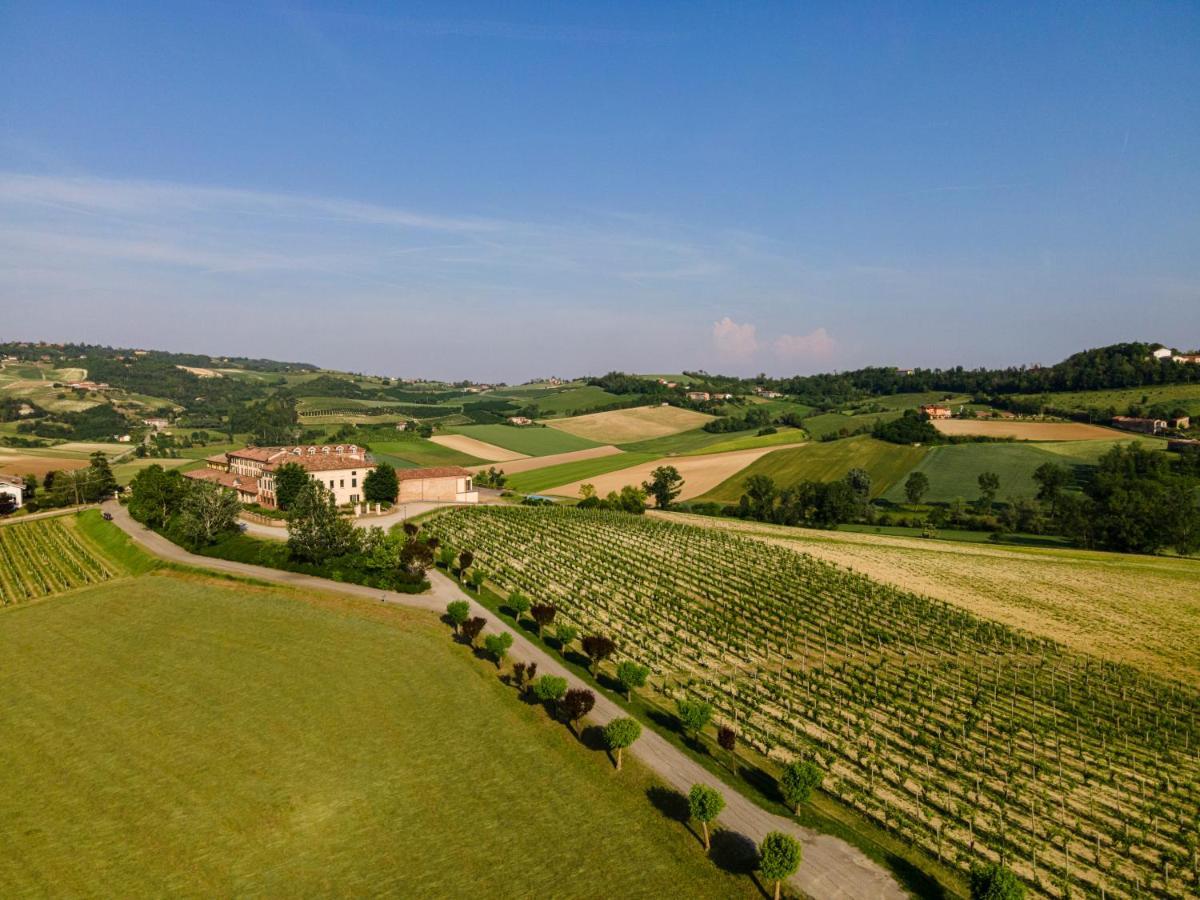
(402,426)
(440,484)
(1192,358)
(1137,423)
(766,394)
(520,420)
(122,438)
(1181,423)
(156,424)
(1161,353)
(88,385)
(668,384)
(251,470)
(934,411)
(906,371)
(698,395)
(722,396)
(14,487)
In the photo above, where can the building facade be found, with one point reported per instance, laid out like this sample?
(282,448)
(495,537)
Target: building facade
(441,484)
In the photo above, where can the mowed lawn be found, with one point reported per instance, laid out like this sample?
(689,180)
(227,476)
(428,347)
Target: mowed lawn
(529,440)
(179,735)
(829,461)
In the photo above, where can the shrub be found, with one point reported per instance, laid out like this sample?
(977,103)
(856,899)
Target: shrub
(458,611)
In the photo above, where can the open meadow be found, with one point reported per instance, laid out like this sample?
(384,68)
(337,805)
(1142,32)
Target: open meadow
(623,426)
(532,463)
(477,448)
(176,734)
(527,441)
(971,738)
(828,461)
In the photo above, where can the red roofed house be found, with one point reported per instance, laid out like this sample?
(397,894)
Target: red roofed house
(340,468)
(441,484)
(937,412)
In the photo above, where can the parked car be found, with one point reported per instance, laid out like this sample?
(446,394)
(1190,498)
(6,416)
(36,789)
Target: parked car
(108,517)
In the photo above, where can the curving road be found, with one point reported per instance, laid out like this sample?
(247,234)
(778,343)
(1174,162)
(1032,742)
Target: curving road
(831,867)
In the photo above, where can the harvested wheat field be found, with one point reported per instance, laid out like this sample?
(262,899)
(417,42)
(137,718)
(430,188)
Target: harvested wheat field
(529,463)
(1139,610)
(624,426)
(1027,431)
(201,372)
(28,464)
(476,448)
(700,473)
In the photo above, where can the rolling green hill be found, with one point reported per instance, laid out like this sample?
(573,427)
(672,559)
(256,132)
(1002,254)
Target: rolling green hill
(531,440)
(886,463)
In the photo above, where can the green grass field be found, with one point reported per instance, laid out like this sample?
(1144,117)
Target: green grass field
(176,735)
(565,473)
(407,452)
(954,470)
(1185,395)
(748,441)
(886,463)
(831,423)
(698,441)
(565,401)
(532,441)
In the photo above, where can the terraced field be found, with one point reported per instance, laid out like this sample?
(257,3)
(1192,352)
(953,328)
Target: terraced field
(46,556)
(970,738)
(886,463)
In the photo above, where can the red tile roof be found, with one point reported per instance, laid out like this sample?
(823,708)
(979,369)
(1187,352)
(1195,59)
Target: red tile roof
(226,480)
(433,472)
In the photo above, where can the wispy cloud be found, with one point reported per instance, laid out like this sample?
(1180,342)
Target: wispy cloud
(734,342)
(817,345)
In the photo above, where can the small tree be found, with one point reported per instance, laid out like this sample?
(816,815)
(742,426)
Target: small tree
(693,715)
(519,604)
(620,734)
(550,689)
(989,485)
(916,486)
(498,645)
(543,614)
(464,560)
(576,704)
(631,675)
(598,648)
(475,579)
(778,858)
(458,611)
(316,532)
(995,882)
(566,635)
(705,804)
(471,629)
(798,780)
(445,557)
(727,738)
(664,485)
(381,485)
(517,676)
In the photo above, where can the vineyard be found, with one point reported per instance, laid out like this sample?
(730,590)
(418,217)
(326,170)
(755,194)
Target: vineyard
(964,736)
(44,557)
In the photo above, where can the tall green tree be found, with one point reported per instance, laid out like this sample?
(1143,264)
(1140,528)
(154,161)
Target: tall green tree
(989,486)
(206,512)
(316,532)
(705,804)
(664,485)
(103,481)
(1052,479)
(381,485)
(290,479)
(155,495)
(760,496)
(631,675)
(915,487)
(778,858)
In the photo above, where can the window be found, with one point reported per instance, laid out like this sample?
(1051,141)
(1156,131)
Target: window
(353,482)
(341,482)
(331,482)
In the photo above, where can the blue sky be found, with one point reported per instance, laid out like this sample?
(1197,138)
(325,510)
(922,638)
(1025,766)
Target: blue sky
(503,191)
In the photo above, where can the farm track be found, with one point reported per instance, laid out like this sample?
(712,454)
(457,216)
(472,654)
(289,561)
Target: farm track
(831,868)
(969,738)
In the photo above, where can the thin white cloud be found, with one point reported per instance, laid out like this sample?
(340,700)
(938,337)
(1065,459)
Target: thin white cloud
(734,342)
(794,348)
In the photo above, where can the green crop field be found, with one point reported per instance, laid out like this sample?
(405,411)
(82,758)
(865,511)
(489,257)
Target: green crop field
(831,423)
(48,556)
(560,401)
(566,473)
(406,452)
(695,441)
(532,441)
(173,735)
(1185,395)
(954,470)
(962,734)
(886,463)
(744,441)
